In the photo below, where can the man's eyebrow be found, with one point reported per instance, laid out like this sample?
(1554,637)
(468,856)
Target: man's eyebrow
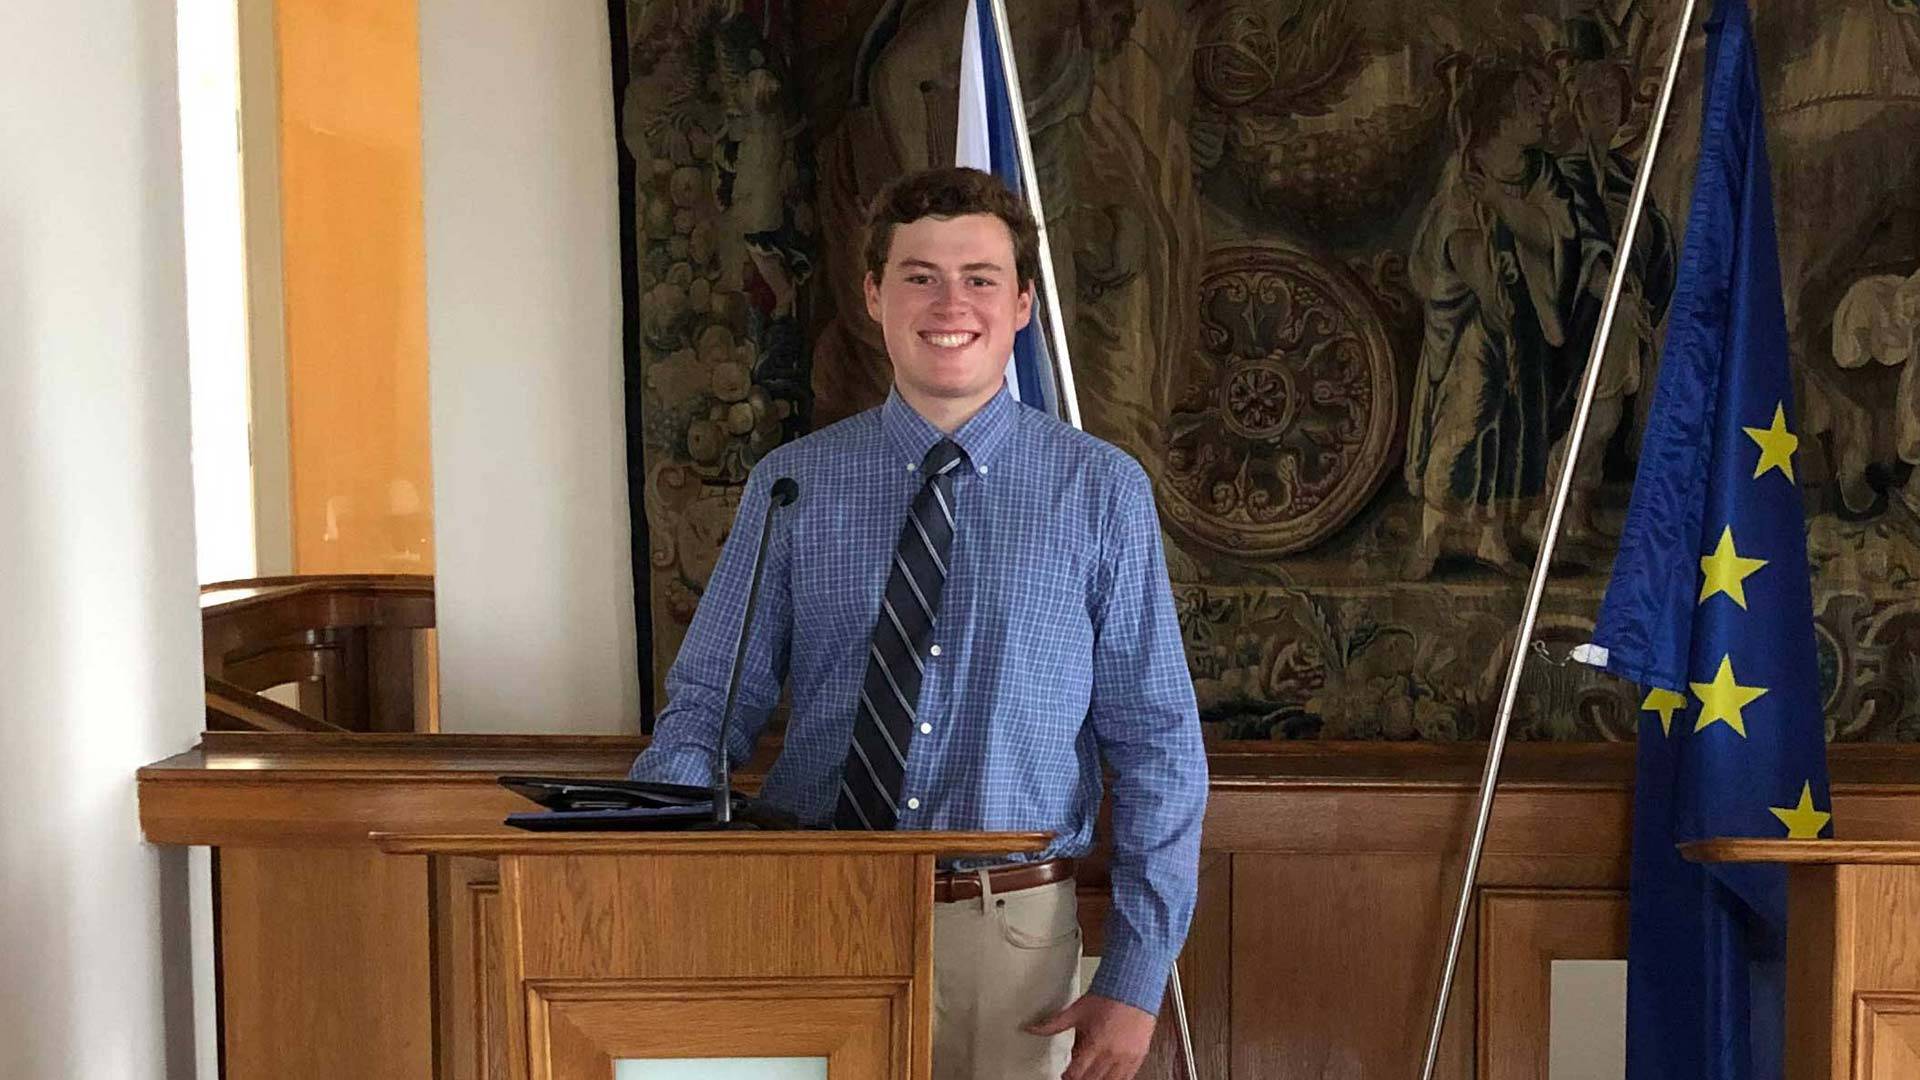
(968,268)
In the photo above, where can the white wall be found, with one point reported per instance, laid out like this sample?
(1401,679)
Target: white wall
(534,581)
(209,39)
(99,647)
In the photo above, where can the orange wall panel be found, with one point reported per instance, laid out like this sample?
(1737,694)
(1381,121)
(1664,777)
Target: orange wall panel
(354,285)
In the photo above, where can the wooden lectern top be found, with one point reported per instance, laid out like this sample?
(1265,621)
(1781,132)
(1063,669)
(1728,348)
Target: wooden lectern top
(1739,850)
(739,842)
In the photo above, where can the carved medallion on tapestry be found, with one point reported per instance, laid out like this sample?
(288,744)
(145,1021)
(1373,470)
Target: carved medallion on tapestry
(1284,427)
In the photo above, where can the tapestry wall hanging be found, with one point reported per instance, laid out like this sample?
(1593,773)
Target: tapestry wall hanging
(1330,269)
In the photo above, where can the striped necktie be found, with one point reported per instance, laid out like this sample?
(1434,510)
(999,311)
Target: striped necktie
(885,717)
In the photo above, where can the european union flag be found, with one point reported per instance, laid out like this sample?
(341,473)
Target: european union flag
(1709,607)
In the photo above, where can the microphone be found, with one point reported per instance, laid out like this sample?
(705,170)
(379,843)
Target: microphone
(643,804)
(783,492)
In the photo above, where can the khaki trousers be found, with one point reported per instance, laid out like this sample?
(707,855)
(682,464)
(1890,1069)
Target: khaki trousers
(1002,961)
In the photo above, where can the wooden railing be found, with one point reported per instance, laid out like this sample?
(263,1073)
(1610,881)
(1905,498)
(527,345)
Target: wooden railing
(355,648)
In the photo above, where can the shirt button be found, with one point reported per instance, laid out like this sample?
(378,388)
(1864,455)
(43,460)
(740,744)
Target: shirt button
(926,729)
(983,470)
(913,804)
(935,650)
(911,466)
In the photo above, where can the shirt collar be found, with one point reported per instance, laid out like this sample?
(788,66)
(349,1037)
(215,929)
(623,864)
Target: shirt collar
(981,436)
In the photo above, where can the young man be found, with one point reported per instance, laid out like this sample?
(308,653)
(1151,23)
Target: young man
(969,603)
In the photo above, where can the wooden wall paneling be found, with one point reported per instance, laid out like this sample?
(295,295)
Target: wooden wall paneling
(325,964)
(471,1002)
(1335,960)
(1328,874)
(1206,969)
(1522,932)
(1528,842)
(1886,1036)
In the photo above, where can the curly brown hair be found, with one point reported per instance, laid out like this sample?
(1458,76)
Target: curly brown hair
(945,193)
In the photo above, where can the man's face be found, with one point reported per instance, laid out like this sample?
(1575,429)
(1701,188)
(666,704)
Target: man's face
(948,303)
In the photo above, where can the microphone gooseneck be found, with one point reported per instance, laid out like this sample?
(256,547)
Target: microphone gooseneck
(783,492)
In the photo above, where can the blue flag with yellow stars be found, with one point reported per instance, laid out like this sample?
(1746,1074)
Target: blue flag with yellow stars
(1710,609)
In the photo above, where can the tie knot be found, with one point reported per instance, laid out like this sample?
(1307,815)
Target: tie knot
(945,456)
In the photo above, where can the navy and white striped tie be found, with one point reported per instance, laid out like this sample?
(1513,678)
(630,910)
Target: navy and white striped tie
(886,715)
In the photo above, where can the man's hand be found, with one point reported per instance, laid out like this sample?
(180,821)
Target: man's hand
(1110,1038)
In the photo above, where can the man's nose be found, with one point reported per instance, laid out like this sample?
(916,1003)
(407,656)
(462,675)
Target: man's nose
(948,295)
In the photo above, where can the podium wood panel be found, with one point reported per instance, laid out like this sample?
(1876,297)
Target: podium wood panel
(758,916)
(1887,1034)
(1853,953)
(776,931)
(1864,920)
(860,1027)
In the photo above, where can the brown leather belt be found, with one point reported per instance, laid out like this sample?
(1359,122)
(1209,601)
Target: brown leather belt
(951,885)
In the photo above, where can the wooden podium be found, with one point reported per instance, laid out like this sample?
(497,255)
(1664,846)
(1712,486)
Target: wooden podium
(1853,953)
(716,944)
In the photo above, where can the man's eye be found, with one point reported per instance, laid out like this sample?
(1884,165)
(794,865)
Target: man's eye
(982,283)
(919,279)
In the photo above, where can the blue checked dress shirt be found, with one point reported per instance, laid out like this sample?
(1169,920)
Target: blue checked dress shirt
(1056,644)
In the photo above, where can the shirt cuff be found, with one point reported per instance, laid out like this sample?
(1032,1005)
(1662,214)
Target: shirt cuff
(673,765)
(1135,977)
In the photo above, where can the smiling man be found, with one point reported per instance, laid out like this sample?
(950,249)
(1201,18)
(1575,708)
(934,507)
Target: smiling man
(970,607)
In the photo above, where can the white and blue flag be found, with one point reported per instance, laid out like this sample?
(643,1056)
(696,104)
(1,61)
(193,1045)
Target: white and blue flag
(986,142)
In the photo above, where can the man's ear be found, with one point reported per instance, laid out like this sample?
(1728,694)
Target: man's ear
(871,287)
(1024,313)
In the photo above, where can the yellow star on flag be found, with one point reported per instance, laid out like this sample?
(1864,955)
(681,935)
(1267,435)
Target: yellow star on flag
(1666,703)
(1777,444)
(1803,822)
(1726,569)
(1722,699)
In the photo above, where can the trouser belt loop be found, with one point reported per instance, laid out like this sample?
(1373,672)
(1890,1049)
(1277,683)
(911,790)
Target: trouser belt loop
(986,888)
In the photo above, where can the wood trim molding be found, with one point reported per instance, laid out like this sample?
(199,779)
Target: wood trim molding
(745,842)
(1874,852)
(1886,1035)
(1522,932)
(576,1030)
(471,1013)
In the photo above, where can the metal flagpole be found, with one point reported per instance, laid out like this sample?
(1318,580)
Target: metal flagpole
(1180,1022)
(1056,327)
(1621,258)
(1050,319)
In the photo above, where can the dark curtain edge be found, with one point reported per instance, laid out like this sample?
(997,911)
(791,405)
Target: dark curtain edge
(631,380)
